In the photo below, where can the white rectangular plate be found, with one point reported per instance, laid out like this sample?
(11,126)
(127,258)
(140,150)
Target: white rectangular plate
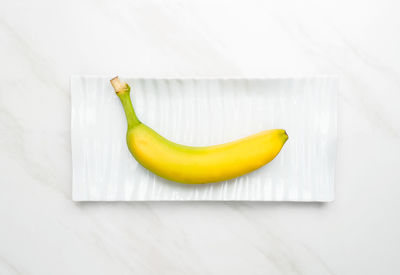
(206,112)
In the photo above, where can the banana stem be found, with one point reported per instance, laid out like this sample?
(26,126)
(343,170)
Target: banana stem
(123,92)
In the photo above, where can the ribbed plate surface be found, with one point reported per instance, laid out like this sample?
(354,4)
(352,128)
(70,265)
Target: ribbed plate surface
(206,112)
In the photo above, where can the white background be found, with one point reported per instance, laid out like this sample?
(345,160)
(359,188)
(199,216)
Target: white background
(43,42)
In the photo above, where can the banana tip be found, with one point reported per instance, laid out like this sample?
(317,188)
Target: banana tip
(285,135)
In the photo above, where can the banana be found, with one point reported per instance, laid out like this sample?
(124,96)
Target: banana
(195,165)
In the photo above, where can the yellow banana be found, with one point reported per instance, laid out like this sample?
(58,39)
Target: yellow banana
(196,165)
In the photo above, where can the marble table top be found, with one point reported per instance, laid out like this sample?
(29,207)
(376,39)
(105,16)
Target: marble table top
(43,43)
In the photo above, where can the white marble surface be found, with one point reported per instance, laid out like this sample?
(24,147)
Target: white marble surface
(43,42)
